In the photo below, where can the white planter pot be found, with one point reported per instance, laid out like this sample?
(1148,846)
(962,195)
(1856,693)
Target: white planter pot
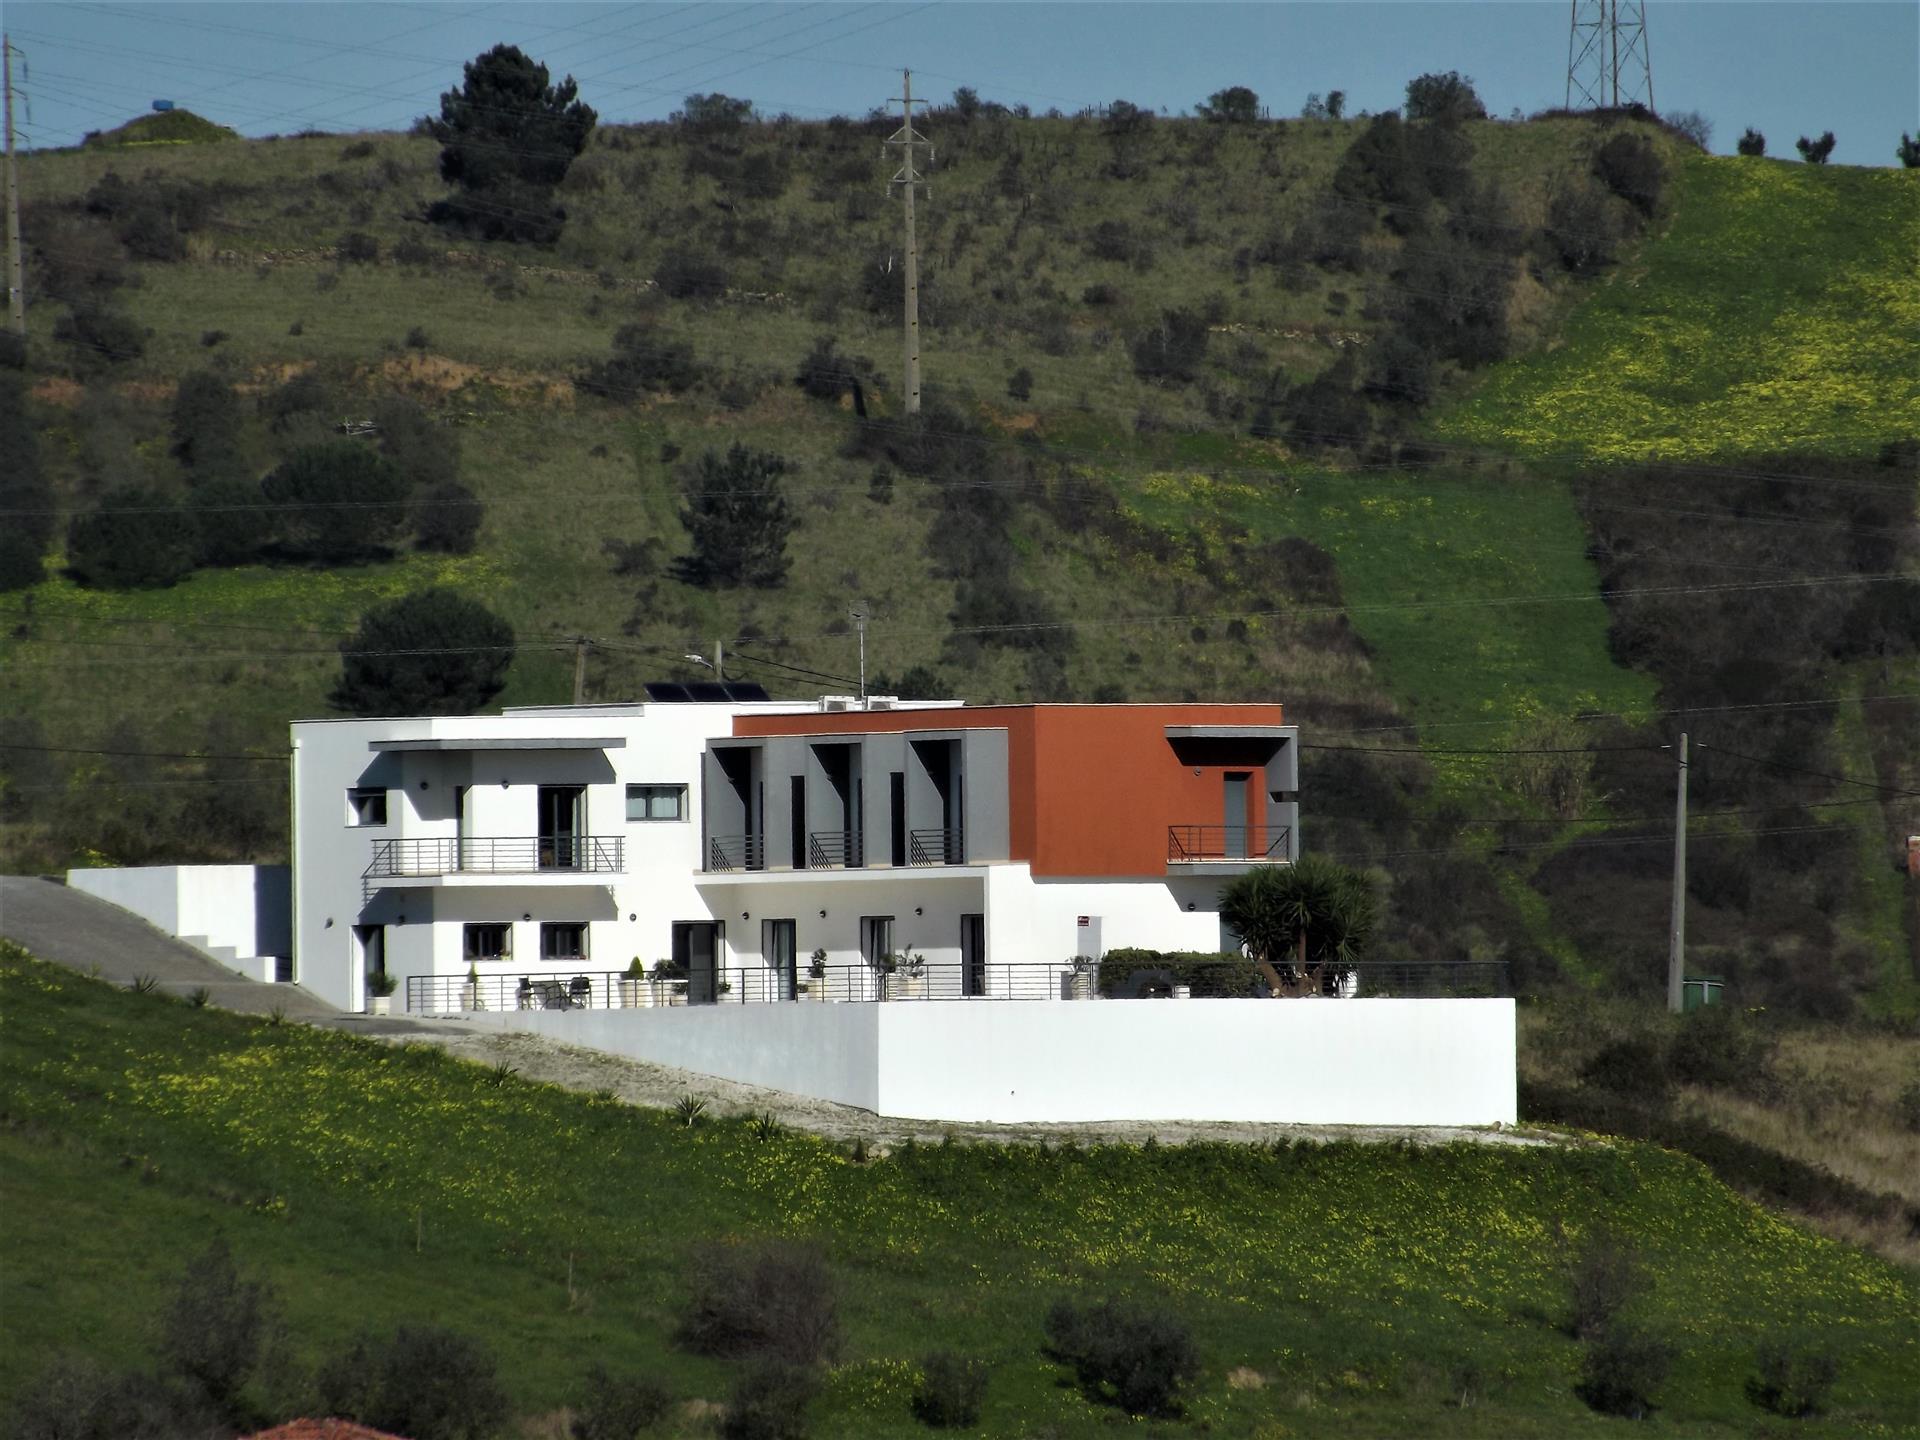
(677,992)
(379,1005)
(633,994)
(1080,985)
(470,996)
(1183,992)
(817,990)
(906,987)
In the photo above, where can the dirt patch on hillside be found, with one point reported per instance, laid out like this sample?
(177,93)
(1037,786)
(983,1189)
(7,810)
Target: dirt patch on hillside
(440,375)
(659,1087)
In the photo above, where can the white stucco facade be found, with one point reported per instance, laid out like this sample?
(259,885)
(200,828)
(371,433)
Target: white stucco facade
(236,914)
(1304,1062)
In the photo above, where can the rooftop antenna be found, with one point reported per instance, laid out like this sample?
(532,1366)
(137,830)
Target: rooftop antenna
(1609,60)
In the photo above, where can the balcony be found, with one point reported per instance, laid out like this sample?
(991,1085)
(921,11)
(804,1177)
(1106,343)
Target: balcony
(835,850)
(1226,849)
(736,852)
(453,858)
(936,847)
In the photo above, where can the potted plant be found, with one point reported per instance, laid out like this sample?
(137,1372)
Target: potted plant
(470,992)
(906,975)
(815,985)
(633,987)
(1080,982)
(669,982)
(380,988)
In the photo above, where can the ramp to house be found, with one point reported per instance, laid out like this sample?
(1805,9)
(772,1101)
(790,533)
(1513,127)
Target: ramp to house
(61,924)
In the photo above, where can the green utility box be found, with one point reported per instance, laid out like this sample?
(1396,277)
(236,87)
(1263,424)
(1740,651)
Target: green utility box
(1698,990)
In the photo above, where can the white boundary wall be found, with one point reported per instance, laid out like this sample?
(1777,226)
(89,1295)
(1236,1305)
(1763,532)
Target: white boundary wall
(239,915)
(1304,1062)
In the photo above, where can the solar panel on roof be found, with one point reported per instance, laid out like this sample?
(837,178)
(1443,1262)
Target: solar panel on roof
(676,692)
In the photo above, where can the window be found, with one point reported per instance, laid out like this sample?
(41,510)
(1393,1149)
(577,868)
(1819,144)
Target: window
(656,802)
(366,807)
(876,938)
(488,942)
(563,940)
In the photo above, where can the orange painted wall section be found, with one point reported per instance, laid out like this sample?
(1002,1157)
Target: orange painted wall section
(1093,787)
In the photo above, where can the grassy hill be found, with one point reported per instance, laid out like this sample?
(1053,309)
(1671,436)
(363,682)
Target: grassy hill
(1332,1289)
(163,127)
(1488,566)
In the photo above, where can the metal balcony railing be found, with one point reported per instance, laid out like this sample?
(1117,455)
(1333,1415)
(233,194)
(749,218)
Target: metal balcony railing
(736,852)
(559,988)
(524,855)
(936,847)
(1187,844)
(835,849)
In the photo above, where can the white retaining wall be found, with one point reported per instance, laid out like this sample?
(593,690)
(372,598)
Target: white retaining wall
(239,915)
(1307,1062)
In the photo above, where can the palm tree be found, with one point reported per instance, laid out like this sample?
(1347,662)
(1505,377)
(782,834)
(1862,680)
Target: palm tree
(1307,917)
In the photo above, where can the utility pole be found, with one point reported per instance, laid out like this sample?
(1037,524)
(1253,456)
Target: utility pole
(580,644)
(719,660)
(1609,59)
(16,284)
(1677,928)
(910,180)
(860,625)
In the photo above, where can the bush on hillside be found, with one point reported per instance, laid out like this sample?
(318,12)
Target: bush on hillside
(1628,165)
(151,216)
(1621,1368)
(776,1301)
(826,374)
(99,336)
(1235,105)
(1718,1045)
(769,1402)
(22,560)
(643,361)
(1399,371)
(297,401)
(1907,152)
(429,653)
(205,424)
(1635,1065)
(1137,1358)
(424,451)
(337,502)
(356,247)
(951,1391)
(687,274)
(137,538)
(1691,125)
(1792,1377)
(1328,412)
(617,1407)
(1815,152)
(1447,98)
(1752,142)
(217,1329)
(1172,351)
(738,519)
(1605,1278)
(447,519)
(423,1382)
(232,522)
(78,1399)
(25,491)
(1582,231)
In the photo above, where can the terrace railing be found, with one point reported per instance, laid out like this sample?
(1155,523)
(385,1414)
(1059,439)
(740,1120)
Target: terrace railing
(736,852)
(936,847)
(835,849)
(1190,844)
(521,855)
(561,988)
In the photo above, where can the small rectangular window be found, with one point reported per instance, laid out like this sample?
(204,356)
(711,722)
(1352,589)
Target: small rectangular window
(488,942)
(563,940)
(656,802)
(366,807)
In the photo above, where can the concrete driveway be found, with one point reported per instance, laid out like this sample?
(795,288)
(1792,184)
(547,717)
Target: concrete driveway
(97,938)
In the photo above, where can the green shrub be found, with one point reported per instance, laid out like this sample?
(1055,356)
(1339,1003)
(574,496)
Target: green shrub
(1447,98)
(738,519)
(1020,385)
(1719,1045)
(1906,1107)
(951,1390)
(643,360)
(216,1329)
(1815,152)
(617,1407)
(420,448)
(776,1301)
(1635,1065)
(1628,165)
(769,1402)
(138,538)
(339,501)
(22,565)
(1210,975)
(685,274)
(356,247)
(1171,351)
(1606,1277)
(508,137)
(425,1383)
(447,518)
(99,336)
(1792,1377)
(1124,1354)
(1752,143)
(77,1399)
(206,424)
(1582,231)
(231,520)
(1621,1368)
(429,653)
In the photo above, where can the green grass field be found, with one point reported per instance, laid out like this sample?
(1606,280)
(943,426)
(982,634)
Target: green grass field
(375,1185)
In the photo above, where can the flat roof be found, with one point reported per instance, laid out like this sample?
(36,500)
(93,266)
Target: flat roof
(520,742)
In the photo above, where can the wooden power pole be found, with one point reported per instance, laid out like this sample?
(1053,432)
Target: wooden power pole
(909,179)
(16,284)
(1677,929)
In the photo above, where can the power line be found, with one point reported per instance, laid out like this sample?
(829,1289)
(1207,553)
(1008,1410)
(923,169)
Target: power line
(1818,774)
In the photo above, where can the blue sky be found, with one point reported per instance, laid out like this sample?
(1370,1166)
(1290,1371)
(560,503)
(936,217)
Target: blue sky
(265,68)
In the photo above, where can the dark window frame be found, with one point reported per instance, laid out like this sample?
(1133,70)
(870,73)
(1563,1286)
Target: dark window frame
(361,799)
(552,930)
(651,791)
(469,932)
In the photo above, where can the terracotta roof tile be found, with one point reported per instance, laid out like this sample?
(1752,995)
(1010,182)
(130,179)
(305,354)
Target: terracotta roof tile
(324,1430)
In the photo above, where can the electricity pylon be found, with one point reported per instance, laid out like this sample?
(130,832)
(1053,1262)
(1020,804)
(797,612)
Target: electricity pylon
(1609,62)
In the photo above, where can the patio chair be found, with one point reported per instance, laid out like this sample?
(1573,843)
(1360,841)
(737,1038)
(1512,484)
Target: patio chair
(580,992)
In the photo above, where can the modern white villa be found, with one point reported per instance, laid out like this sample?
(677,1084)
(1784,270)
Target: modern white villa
(785,872)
